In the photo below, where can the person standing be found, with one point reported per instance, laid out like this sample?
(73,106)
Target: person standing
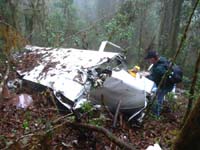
(157,71)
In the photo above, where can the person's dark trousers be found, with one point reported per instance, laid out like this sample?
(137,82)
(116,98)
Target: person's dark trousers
(160,98)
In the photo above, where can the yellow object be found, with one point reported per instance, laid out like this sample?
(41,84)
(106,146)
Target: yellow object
(137,67)
(134,71)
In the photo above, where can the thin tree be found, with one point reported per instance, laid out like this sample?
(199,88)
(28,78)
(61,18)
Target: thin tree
(192,89)
(176,53)
(189,135)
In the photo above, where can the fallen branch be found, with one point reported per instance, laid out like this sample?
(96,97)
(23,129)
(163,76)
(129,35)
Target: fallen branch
(61,118)
(106,108)
(104,131)
(52,99)
(77,126)
(116,114)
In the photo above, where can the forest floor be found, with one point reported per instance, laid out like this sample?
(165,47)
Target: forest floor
(41,126)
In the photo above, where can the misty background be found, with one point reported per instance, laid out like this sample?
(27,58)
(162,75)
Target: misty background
(137,26)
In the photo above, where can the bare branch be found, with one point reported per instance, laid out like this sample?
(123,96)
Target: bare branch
(4,81)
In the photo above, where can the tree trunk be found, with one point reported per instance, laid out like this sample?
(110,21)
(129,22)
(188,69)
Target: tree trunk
(190,133)
(176,9)
(13,5)
(164,25)
(169,26)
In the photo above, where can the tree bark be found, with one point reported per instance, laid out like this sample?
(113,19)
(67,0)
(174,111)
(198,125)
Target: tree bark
(169,26)
(3,82)
(189,135)
(176,9)
(164,25)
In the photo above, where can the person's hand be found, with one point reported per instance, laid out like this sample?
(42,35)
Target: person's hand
(144,73)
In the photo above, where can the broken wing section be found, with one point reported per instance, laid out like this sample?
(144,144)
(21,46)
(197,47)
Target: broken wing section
(65,71)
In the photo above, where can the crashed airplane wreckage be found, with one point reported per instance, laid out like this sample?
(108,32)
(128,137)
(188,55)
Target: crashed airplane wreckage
(76,75)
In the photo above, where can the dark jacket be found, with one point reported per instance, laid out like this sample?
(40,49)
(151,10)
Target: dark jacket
(157,71)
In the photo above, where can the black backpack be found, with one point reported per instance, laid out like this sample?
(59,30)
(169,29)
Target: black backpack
(176,75)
